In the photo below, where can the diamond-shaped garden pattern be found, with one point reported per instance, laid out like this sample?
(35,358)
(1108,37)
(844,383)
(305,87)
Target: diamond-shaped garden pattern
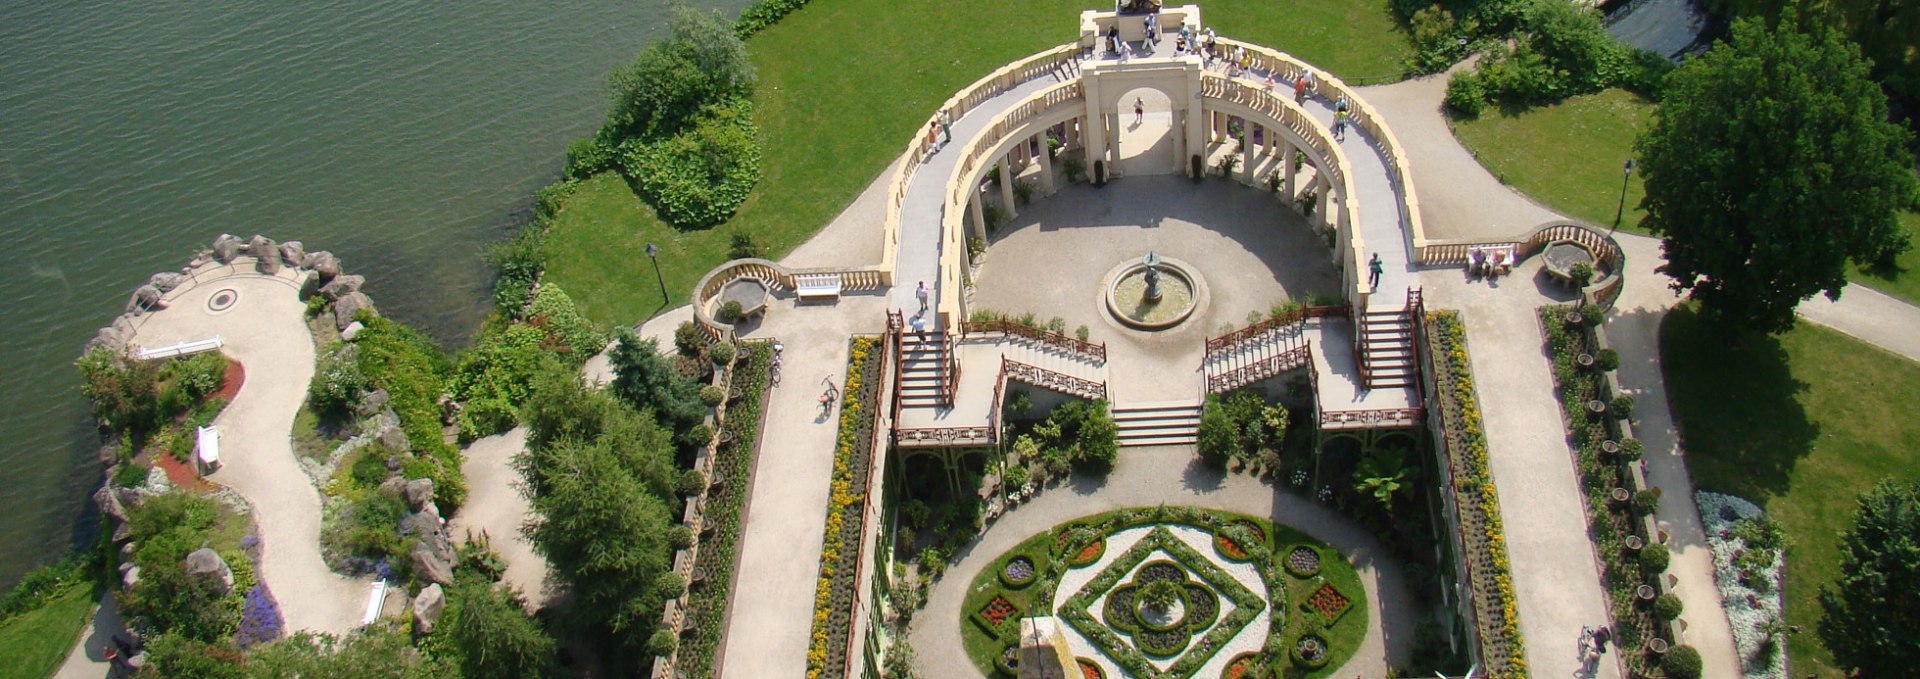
(1247,607)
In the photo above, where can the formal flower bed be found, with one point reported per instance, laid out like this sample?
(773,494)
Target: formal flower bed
(1477,501)
(1206,627)
(1089,669)
(707,599)
(1018,572)
(1303,562)
(1594,417)
(999,617)
(1328,602)
(1749,565)
(1231,549)
(840,551)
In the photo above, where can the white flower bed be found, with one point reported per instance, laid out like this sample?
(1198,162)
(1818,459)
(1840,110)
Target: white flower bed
(1747,610)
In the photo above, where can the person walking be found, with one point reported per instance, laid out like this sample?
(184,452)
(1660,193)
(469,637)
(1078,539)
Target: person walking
(946,127)
(1139,111)
(1374,269)
(1300,89)
(1340,125)
(920,293)
(933,136)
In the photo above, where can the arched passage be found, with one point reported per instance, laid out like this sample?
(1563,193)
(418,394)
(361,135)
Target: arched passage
(1146,133)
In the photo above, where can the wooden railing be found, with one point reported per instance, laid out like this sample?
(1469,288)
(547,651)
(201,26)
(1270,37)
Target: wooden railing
(1291,359)
(1417,316)
(1055,381)
(949,370)
(944,437)
(1047,338)
(1225,344)
(1380,418)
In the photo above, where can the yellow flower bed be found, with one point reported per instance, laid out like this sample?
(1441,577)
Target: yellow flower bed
(839,502)
(1452,341)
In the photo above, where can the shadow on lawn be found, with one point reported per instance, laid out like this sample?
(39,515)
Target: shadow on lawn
(1733,401)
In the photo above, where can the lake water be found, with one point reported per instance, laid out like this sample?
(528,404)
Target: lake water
(402,135)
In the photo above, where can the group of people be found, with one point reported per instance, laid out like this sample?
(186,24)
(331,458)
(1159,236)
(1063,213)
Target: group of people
(1593,642)
(935,131)
(1490,261)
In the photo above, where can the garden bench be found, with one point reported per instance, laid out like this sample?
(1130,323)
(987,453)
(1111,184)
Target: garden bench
(181,349)
(817,285)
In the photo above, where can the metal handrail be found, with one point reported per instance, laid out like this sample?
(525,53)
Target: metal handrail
(1095,352)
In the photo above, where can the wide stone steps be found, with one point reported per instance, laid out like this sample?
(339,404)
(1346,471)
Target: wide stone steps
(923,365)
(1164,423)
(1386,343)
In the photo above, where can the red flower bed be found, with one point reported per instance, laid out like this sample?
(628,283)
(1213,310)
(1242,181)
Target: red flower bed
(1088,670)
(998,610)
(1242,666)
(1329,602)
(1235,551)
(1088,554)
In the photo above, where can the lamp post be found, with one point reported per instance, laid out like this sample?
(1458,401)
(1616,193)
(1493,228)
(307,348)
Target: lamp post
(1625,173)
(653,253)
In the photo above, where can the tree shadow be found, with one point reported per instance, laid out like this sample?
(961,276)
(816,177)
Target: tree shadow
(1732,394)
(1202,476)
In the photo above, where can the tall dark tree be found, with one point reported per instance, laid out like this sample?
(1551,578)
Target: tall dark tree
(1873,610)
(1771,165)
(646,380)
(495,639)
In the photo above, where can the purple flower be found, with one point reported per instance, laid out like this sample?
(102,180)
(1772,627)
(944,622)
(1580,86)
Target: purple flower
(259,618)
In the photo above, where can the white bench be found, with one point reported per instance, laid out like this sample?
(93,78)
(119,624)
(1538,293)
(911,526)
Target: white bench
(207,444)
(813,285)
(181,349)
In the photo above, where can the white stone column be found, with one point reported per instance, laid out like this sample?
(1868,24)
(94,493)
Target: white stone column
(1006,187)
(1321,189)
(1286,169)
(1046,166)
(977,217)
(1247,158)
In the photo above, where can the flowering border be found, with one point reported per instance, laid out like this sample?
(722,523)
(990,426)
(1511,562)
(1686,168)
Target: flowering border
(833,597)
(1490,578)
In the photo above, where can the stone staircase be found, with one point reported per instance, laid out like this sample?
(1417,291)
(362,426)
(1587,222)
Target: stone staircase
(1161,423)
(924,365)
(1263,354)
(1386,349)
(1054,360)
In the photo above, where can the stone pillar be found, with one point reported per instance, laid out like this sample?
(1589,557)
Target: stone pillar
(1248,159)
(1006,187)
(977,217)
(1046,166)
(1178,131)
(1286,170)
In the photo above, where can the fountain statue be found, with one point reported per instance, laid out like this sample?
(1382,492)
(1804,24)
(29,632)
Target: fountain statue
(1153,277)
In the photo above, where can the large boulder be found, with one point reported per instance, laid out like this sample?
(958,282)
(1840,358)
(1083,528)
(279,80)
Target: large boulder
(109,503)
(427,608)
(207,563)
(145,298)
(429,567)
(293,253)
(225,248)
(344,308)
(112,338)
(166,281)
(323,264)
(418,494)
(266,254)
(372,402)
(392,437)
(342,286)
(130,577)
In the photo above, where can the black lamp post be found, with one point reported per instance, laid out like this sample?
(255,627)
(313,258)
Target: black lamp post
(653,253)
(1625,173)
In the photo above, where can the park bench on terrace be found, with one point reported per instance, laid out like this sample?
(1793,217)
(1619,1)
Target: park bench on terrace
(817,285)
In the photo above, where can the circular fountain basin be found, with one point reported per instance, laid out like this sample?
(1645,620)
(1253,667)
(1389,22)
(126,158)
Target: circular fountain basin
(1126,295)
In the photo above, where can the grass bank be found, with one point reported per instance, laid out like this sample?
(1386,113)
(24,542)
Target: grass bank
(1819,418)
(843,84)
(33,645)
(1567,156)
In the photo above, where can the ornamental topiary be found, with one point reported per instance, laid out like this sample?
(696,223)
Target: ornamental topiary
(1668,606)
(712,395)
(1681,662)
(1654,558)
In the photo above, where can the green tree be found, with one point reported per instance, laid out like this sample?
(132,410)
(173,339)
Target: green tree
(1874,608)
(375,652)
(492,634)
(606,538)
(646,380)
(1769,166)
(672,79)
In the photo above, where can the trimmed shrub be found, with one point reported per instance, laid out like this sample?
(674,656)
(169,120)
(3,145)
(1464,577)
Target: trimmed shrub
(1646,502)
(1465,95)
(1654,558)
(1668,606)
(698,177)
(1681,662)
(712,395)
(721,352)
(1607,360)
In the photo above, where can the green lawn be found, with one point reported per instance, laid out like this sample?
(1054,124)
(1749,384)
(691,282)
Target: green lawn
(1358,40)
(843,84)
(33,644)
(1568,157)
(1799,423)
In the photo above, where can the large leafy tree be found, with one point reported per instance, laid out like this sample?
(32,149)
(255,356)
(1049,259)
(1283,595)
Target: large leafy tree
(1771,165)
(1874,608)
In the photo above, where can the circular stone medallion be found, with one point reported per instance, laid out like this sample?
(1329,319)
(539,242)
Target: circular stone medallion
(222,300)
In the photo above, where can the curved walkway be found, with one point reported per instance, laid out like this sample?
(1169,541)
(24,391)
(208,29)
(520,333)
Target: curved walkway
(266,331)
(1143,478)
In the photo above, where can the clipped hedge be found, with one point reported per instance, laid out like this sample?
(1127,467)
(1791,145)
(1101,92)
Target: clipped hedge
(699,176)
(734,463)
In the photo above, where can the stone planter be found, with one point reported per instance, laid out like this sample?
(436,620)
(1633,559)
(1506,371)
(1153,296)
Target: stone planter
(1645,593)
(1596,406)
(1610,447)
(726,436)
(707,525)
(1620,495)
(1634,543)
(1573,318)
(1657,645)
(717,480)
(1585,360)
